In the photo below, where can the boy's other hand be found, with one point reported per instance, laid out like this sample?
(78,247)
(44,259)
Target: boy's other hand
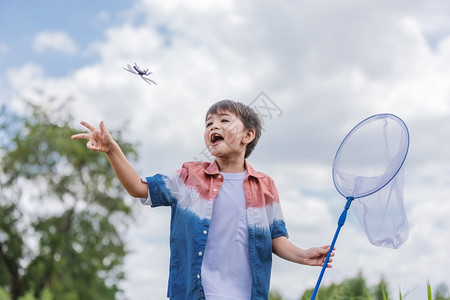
(316,256)
(98,140)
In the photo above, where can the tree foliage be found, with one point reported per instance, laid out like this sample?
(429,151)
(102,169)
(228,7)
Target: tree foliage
(351,289)
(442,292)
(275,295)
(61,208)
(356,289)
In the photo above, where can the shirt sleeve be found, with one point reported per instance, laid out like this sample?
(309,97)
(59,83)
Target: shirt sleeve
(278,225)
(163,190)
(148,200)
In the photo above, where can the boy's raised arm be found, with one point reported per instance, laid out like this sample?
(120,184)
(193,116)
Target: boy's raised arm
(101,140)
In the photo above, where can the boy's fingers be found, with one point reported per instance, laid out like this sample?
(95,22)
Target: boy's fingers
(325,249)
(102,127)
(91,146)
(80,136)
(88,126)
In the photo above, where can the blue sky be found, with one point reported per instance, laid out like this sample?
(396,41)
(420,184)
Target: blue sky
(326,65)
(82,21)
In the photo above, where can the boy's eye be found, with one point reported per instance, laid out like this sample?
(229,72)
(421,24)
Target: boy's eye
(225,120)
(208,124)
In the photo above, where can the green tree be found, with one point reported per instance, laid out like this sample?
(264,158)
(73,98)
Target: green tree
(356,289)
(350,289)
(45,295)
(441,292)
(275,295)
(380,291)
(61,208)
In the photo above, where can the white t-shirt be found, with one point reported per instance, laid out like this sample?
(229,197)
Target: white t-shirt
(226,271)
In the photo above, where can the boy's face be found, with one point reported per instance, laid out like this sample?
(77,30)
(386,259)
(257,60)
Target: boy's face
(226,136)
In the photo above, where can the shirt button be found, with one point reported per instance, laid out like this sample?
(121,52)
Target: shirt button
(220,176)
(214,190)
(198,276)
(200,253)
(205,232)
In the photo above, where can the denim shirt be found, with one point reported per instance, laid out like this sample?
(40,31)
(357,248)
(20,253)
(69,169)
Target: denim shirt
(190,192)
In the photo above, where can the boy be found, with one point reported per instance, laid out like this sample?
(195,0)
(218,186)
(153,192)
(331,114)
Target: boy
(226,217)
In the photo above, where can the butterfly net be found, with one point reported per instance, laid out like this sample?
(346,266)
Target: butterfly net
(368,168)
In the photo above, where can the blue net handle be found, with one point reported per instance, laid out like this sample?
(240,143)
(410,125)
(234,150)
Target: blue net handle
(341,222)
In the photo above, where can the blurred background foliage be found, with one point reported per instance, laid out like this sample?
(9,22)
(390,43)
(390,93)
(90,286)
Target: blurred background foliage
(62,210)
(357,289)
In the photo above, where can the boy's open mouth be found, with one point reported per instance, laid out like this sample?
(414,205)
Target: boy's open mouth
(216,138)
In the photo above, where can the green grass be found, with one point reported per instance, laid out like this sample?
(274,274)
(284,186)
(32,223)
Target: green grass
(429,290)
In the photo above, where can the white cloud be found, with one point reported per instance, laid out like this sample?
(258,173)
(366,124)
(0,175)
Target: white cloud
(55,41)
(21,77)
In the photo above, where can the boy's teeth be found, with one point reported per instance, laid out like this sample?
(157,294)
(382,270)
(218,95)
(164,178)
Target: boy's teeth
(215,137)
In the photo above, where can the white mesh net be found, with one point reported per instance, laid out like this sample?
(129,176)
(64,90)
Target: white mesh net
(368,167)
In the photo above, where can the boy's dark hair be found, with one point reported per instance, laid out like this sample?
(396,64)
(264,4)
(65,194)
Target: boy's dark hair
(245,113)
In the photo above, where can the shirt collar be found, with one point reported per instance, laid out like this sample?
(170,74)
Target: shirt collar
(213,169)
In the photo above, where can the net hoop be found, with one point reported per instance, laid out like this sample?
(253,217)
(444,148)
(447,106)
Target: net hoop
(360,125)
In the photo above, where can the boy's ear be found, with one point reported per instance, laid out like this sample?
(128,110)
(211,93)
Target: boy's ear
(249,136)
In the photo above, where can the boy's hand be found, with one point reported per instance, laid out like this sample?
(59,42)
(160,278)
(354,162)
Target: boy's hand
(99,140)
(316,256)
